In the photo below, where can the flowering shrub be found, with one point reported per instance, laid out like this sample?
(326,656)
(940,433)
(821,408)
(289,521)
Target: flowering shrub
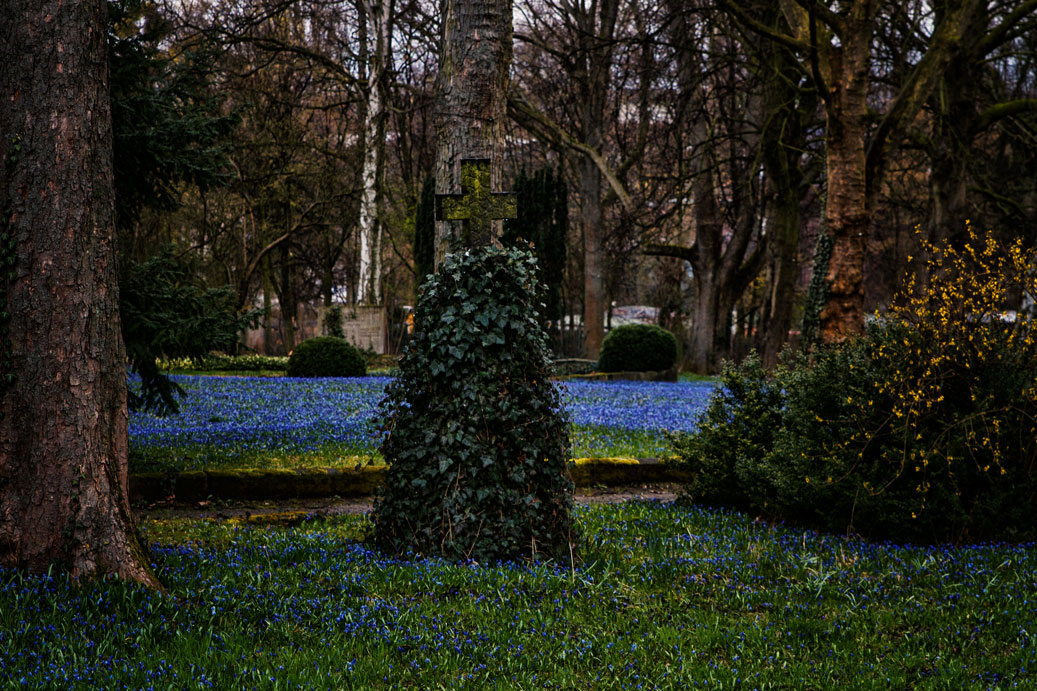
(961,385)
(923,429)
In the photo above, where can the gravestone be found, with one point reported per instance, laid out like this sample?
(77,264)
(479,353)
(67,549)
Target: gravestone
(476,207)
(365,326)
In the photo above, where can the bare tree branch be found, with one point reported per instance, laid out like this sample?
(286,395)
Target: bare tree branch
(532,119)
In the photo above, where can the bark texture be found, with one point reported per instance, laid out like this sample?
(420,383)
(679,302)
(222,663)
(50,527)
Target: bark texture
(471,104)
(63,436)
(847,212)
(836,52)
(597,32)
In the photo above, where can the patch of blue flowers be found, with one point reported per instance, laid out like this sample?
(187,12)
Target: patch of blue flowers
(278,414)
(244,415)
(636,405)
(666,597)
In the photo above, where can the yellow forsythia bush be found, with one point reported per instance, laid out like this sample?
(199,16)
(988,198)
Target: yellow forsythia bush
(924,429)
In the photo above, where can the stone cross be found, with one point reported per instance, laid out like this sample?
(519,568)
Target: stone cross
(476,207)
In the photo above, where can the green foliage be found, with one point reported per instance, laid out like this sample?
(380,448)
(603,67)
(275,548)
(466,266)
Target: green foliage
(638,348)
(425,232)
(214,362)
(165,314)
(475,433)
(817,292)
(922,430)
(167,126)
(326,356)
(543,220)
(332,325)
(734,432)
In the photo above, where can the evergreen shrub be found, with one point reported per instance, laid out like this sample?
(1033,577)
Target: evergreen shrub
(638,348)
(167,313)
(474,431)
(921,430)
(326,356)
(332,322)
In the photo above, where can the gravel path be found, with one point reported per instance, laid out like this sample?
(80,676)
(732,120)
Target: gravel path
(272,511)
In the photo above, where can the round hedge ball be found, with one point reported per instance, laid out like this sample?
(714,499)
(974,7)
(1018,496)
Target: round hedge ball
(638,348)
(326,356)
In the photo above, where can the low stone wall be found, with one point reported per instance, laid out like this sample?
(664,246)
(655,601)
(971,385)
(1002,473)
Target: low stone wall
(197,485)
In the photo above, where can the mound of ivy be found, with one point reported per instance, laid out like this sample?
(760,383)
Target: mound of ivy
(474,430)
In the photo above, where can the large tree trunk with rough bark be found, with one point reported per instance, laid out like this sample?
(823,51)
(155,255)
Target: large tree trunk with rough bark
(847,211)
(63,436)
(471,104)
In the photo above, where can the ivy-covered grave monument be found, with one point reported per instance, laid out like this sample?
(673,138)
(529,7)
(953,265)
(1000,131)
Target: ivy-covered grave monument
(474,432)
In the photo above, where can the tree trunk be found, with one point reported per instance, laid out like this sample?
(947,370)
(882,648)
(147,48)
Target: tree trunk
(376,15)
(63,435)
(955,114)
(593,283)
(286,301)
(268,293)
(847,211)
(700,355)
(782,269)
(596,36)
(782,142)
(471,102)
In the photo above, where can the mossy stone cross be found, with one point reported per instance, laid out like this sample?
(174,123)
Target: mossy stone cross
(476,207)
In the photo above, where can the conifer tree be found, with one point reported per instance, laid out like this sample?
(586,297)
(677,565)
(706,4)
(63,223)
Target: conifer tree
(543,220)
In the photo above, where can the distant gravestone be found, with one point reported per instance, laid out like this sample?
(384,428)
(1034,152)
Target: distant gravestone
(366,327)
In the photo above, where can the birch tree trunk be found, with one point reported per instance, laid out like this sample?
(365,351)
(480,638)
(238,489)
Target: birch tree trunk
(377,16)
(63,432)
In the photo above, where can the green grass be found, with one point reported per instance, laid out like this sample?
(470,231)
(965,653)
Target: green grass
(665,597)
(692,377)
(587,442)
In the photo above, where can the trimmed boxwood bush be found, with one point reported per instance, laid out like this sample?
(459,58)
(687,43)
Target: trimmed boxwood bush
(638,348)
(326,356)
(476,438)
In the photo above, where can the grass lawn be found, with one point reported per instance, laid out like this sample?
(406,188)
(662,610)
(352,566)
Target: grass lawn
(281,422)
(666,597)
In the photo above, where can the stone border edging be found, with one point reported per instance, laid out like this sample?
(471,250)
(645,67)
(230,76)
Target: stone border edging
(197,485)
